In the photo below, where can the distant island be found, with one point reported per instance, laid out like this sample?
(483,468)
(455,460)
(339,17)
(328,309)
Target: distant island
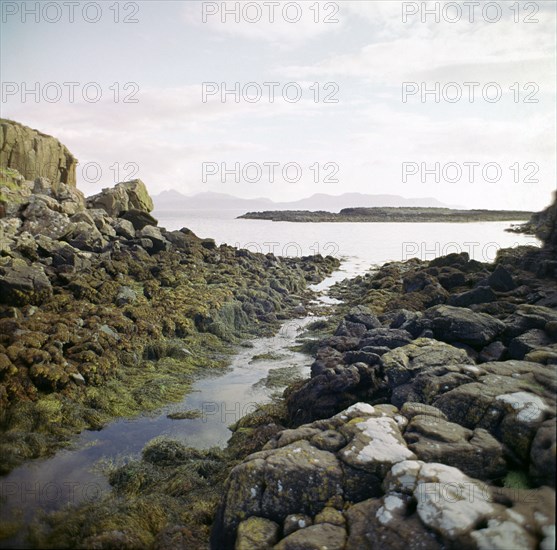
(390,214)
(174,200)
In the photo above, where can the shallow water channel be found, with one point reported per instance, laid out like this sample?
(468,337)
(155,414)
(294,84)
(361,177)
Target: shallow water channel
(74,475)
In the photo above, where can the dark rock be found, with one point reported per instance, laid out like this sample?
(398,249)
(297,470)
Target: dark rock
(155,236)
(501,280)
(479,295)
(543,454)
(139,219)
(209,244)
(454,324)
(377,350)
(527,342)
(361,357)
(492,352)
(364,316)
(454,259)
(22,284)
(324,395)
(385,337)
(451,279)
(400,317)
(348,328)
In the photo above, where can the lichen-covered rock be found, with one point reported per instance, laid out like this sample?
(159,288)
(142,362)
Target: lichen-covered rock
(458,508)
(476,453)
(402,364)
(315,537)
(257,534)
(129,195)
(34,154)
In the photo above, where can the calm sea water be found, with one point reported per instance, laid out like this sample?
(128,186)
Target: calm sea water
(361,243)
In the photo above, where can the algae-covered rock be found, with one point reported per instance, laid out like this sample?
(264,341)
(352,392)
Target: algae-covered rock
(22,284)
(257,534)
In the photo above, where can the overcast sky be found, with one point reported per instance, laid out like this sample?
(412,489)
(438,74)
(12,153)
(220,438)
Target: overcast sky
(360,57)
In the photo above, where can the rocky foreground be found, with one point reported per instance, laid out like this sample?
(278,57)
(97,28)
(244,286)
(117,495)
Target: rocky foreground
(390,214)
(428,421)
(102,312)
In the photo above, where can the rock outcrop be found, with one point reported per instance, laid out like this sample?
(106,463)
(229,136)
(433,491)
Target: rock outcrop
(91,289)
(35,155)
(352,481)
(431,409)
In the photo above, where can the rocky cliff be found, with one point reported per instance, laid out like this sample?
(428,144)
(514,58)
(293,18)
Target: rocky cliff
(98,303)
(34,154)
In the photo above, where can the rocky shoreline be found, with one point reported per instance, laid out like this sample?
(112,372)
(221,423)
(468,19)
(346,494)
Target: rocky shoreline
(104,314)
(390,215)
(428,420)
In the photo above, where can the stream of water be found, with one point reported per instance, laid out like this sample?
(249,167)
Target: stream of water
(74,475)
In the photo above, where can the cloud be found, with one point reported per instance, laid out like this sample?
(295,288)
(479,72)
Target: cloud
(285,25)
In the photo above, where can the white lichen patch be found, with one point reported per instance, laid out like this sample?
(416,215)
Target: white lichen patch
(377,443)
(449,509)
(503,535)
(529,407)
(403,476)
(358,409)
(391,503)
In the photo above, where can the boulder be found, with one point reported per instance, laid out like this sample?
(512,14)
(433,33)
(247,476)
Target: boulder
(451,260)
(402,364)
(22,284)
(313,537)
(520,346)
(297,478)
(155,236)
(476,453)
(385,337)
(456,324)
(363,316)
(492,352)
(464,512)
(42,216)
(257,534)
(479,295)
(501,280)
(123,228)
(139,219)
(387,522)
(543,454)
(130,195)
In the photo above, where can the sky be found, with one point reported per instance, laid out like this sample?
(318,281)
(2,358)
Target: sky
(421,99)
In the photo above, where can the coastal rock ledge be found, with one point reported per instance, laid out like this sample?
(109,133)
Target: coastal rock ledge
(428,421)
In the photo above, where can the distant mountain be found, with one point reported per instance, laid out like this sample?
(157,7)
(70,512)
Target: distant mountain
(174,200)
